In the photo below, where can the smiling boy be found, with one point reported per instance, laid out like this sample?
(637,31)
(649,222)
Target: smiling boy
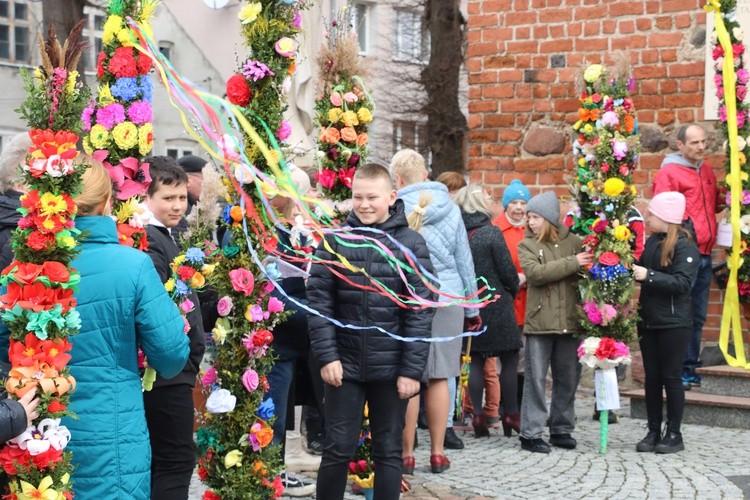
(366,364)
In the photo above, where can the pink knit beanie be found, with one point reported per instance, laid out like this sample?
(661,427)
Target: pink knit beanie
(669,206)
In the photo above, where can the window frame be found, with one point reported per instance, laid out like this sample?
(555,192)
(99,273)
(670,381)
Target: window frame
(420,44)
(14,24)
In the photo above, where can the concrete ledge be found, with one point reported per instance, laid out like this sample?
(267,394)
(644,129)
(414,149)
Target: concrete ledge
(701,408)
(725,380)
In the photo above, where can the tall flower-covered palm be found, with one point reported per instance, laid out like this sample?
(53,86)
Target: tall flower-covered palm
(606,148)
(38,307)
(119,122)
(236,457)
(343,109)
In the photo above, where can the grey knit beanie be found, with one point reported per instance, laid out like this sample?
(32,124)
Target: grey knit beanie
(546,206)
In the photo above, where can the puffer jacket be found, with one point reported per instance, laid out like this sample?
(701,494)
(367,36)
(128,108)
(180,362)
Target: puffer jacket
(665,293)
(122,307)
(492,261)
(9,217)
(551,271)
(698,184)
(12,420)
(445,234)
(369,355)
(162,249)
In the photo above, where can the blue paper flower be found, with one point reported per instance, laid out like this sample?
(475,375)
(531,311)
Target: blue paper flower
(126,89)
(194,255)
(266,409)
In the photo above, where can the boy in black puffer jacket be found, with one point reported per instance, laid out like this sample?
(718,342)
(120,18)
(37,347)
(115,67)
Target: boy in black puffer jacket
(365,363)
(169,405)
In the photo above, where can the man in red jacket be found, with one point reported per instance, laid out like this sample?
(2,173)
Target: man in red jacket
(687,173)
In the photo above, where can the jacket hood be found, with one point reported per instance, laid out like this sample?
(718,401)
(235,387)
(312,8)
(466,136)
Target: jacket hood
(678,159)
(475,220)
(440,205)
(396,219)
(9,203)
(101,228)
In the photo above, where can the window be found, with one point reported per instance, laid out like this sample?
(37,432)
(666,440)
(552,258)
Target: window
(95,18)
(177,153)
(166,49)
(361,24)
(411,39)
(412,135)
(15,33)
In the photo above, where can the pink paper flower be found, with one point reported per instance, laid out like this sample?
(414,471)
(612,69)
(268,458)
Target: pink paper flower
(187,305)
(210,377)
(250,380)
(285,47)
(351,97)
(285,130)
(335,99)
(110,115)
(224,306)
(140,112)
(297,21)
(275,305)
(130,177)
(610,119)
(242,281)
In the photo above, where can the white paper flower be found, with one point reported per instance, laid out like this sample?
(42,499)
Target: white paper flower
(220,401)
(39,439)
(745,224)
(737,33)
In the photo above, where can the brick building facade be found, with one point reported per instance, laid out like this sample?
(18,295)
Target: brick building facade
(524,57)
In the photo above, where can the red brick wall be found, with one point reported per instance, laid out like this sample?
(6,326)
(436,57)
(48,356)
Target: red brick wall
(514,82)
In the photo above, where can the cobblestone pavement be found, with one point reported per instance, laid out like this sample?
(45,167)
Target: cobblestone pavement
(714,465)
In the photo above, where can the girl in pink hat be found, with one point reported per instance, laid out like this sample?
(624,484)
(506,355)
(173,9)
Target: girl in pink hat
(666,270)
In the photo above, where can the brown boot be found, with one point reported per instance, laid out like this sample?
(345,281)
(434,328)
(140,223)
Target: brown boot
(511,422)
(480,427)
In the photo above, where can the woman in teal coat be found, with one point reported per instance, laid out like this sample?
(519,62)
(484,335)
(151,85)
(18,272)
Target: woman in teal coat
(123,306)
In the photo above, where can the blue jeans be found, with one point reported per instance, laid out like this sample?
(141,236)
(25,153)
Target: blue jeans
(701,287)
(280,380)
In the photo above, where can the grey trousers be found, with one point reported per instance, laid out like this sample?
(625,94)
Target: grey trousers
(559,352)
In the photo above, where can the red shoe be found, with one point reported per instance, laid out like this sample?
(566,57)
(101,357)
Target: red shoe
(439,463)
(511,422)
(407,465)
(480,427)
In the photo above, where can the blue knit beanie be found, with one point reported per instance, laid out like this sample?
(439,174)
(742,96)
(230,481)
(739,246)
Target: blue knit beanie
(515,191)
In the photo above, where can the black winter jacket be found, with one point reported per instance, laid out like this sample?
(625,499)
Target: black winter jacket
(9,217)
(492,261)
(162,249)
(12,419)
(369,355)
(665,300)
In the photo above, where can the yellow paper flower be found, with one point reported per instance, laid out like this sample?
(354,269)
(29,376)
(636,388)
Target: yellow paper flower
(593,73)
(70,84)
(87,145)
(125,135)
(233,459)
(99,137)
(249,13)
(588,128)
(66,240)
(169,285)
(126,37)
(364,115)
(581,162)
(273,157)
(334,115)
(145,138)
(577,124)
(126,210)
(38,75)
(622,233)
(43,492)
(613,187)
(52,204)
(208,269)
(219,332)
(349,118)
(105,95)
(111,29)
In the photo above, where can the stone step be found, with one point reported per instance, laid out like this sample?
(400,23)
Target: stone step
(725,380)
(701,408)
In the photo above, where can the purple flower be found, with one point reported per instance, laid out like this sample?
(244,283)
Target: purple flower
(353,160)
(742,76)
(631,84)
(256,70)
(745,197)
(619,149)
(88,111)
(297,20)
(250,380)
(110,115)
(256,313)
(140,112)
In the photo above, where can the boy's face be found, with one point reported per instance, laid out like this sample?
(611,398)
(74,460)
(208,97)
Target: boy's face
(371,199)
(168,204)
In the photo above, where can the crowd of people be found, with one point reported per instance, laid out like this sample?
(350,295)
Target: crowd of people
(518,246)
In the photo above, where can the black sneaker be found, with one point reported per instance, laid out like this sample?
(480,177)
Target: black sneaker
(296,485)
(612,417)
(648,443)
(534,445)
(315,446)
(451,441)
(563,441)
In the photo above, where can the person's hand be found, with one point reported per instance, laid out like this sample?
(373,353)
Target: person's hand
(333,373)
(473,324)
(521,280)
(584,258)
(30,401)
(407,387)
(639,272)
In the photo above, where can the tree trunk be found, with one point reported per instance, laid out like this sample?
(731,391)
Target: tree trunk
(446,124)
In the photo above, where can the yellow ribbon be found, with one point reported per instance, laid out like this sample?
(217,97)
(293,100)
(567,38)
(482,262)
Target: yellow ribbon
(730,319)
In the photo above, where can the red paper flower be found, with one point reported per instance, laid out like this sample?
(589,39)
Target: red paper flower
(123,63)
(100,65)
(144,64)
(56,406)
(10,456)
(276,486)
(606,349)
(347,176)
(326,177)
(37,297)
(185,273)
(40,241)
(262,337)
(591,241)
(56,271)
(609,259)
(202,473)
(238,91)
(48,143)
(600,226)
(210,495)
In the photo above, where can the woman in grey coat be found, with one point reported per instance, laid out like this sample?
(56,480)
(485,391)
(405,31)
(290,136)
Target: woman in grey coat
(492,261)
